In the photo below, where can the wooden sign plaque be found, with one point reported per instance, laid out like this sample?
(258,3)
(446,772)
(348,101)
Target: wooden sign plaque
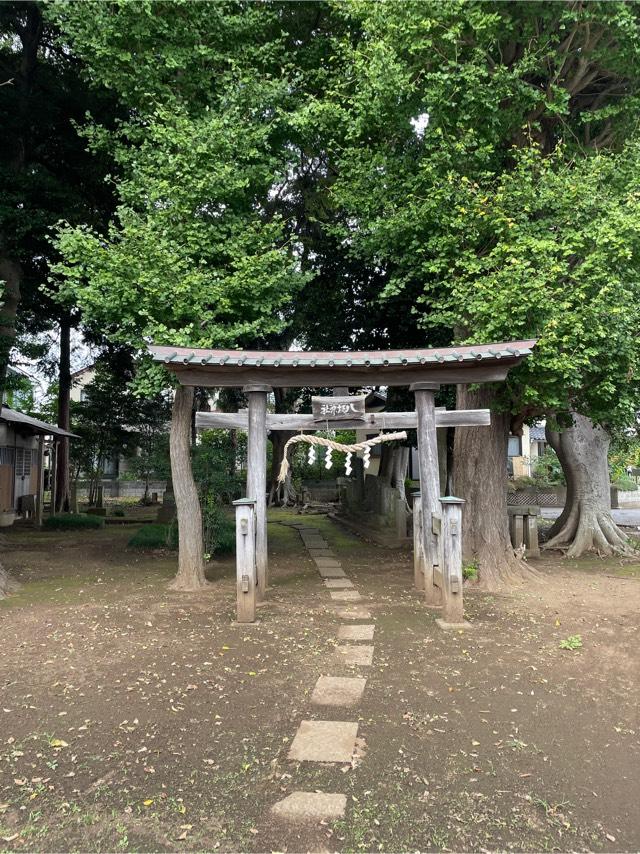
(348,408)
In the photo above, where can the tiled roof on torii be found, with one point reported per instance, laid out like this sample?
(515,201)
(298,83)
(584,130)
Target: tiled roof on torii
(390,367)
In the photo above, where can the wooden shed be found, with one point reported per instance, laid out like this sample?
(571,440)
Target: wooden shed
(22,443)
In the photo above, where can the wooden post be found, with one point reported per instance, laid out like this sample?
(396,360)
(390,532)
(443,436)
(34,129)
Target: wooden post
(401,518)
(257,475)
(517,528)
(429,482)
(418,543)
(451,561)
(245,560)
(531,533)
(40,483)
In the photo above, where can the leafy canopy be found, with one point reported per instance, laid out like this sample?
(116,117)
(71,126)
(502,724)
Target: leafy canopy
(194,254)
(485,163)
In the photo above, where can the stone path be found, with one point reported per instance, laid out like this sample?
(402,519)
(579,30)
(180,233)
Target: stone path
(331,741)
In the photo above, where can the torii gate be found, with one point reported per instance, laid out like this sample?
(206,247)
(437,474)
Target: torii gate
(437,539)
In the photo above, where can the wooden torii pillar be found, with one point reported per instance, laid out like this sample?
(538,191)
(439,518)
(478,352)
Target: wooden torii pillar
(257,477)
(429,484)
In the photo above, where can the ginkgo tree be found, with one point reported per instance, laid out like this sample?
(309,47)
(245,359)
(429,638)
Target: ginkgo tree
(192,255)
(485,162)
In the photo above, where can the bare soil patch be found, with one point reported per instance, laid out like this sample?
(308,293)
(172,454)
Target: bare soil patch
(137,719)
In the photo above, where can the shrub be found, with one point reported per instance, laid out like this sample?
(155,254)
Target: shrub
(72,521)
(118,512)
(626,484)
(218,529)
(547,469)
(215,462)
(154,536)
(523,482)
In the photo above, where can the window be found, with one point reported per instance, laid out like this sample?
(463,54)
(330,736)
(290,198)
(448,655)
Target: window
(23,462)
(7,456)
(514,448)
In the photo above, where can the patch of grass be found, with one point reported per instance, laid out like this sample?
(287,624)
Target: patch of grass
(470,571)
(572,642)
(154,536)
(72,522)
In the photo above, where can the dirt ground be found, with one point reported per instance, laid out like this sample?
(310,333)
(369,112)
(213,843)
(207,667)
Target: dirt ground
(136,719)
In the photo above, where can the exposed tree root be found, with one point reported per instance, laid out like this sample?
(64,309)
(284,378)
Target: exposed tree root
(585,524)
(189,585)
(503,569)
(588,528)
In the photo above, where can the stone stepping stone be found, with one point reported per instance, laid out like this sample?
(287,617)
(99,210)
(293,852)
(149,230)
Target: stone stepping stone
(355,612)
(300,807)
(321,553)
(338,690)
(324,741)
(337,583)
(316,544)
(345,596)
(356,654)
(326,561)
(332,572)
(356,633)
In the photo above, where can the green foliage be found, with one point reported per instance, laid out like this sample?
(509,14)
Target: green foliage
(219,530)
(215,469)
(625,484)
(195,254)
(547,469)
(153,536)
(572,642)
(215,464)
(72,522)
(112,420)
(46,172)
(18,392)
(514,213)
(470,571)
(302,469)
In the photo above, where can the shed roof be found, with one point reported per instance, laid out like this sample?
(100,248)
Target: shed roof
(471,363)
(34,424)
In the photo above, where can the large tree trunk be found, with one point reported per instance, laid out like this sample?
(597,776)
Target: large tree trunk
(190,575)
(586,523)
(480,477)
(64,417)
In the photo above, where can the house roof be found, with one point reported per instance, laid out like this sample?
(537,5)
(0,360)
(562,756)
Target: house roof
(537,433)
(481,363)
(36,426)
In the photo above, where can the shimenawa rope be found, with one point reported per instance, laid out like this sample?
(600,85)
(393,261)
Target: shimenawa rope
(335,446)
